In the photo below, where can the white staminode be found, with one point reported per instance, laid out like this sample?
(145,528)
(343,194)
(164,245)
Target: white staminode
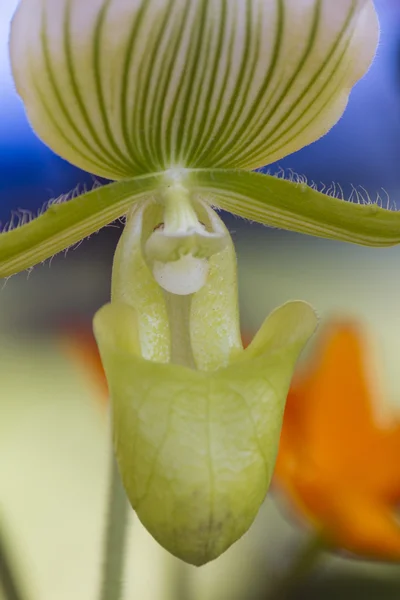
(179,249)
(182,277)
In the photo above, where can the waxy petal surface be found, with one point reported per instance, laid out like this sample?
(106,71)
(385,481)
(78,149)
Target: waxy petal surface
(196,449)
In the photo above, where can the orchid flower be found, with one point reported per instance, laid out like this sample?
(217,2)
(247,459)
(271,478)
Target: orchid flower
(179,101)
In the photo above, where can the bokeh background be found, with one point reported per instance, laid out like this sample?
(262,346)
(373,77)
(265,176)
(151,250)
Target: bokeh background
(53,418)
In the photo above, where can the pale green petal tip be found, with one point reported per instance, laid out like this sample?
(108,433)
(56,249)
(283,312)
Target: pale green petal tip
(289,326)
(196,450)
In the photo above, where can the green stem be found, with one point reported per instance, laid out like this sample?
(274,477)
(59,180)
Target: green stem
(115,538)
(8,579)
(303,564)
(181,588)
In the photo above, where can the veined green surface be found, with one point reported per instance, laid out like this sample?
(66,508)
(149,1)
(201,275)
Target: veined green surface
(196,449)
(263,198)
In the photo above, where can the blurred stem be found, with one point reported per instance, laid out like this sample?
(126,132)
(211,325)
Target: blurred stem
(8,578)
(115,537)
(303,564)
(182,588)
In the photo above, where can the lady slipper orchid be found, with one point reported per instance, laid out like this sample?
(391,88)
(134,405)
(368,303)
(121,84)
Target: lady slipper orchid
(178,100)
(196,418)
(338,461)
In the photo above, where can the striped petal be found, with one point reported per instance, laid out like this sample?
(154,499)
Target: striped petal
(122,88)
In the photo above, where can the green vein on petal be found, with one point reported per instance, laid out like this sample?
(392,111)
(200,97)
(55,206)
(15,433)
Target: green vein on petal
(65,224)
(263,198)
(298,207)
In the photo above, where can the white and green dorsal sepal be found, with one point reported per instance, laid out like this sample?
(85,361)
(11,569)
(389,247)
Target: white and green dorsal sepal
(179,99)
(196,418)
(124,88)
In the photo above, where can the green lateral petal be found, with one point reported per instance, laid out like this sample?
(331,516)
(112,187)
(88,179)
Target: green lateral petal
(297,207)
(67,223)
(122,88)
(262,198)
(196,450)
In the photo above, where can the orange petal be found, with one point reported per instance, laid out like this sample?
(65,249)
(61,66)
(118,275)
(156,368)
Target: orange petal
(82,348)
(367,530)
(331,405)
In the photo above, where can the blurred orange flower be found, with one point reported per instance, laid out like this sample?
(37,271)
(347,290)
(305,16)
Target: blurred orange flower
(339,463)
(80,344)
